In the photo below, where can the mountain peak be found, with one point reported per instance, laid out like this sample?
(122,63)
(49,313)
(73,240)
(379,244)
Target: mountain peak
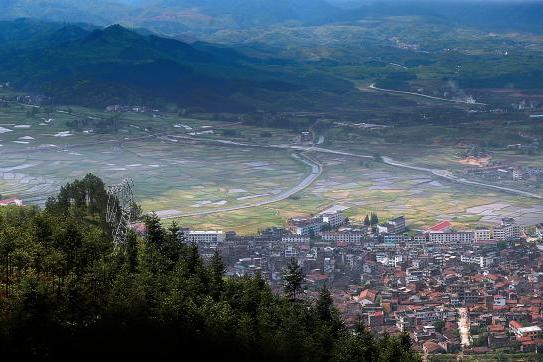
(114,32)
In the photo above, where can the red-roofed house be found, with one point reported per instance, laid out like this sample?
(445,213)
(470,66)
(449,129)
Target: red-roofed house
(376,318)
(7,202)
(431,347)
(368,295)
(441,227)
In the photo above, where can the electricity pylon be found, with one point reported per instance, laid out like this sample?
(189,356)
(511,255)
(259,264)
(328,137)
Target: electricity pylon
(120,207)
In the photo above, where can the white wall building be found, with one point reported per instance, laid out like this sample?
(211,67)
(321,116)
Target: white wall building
(482,261)
(334,219)
(295,239)
(306,226)
(507,232)
(483,234)
(349,237)
(461,237)
(206,237)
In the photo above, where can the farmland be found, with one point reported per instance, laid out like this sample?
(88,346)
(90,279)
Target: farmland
(200,166)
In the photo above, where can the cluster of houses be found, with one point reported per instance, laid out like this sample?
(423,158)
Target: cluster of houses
(474,290)
(503,173)
(125,108)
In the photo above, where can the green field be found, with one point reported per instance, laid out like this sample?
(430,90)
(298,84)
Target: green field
(179,168)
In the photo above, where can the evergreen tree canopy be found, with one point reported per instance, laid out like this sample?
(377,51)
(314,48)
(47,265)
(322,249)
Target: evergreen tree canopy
(374,220)
(293,277)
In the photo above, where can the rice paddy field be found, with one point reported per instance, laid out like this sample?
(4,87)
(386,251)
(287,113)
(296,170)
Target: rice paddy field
(178,171)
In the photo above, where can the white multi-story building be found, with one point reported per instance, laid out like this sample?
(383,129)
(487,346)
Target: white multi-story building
(306,226)
(349,237)
(482,261)
(329,265)
(460,237)
(507,232)
(290,252)
(483,234)
(427,315)
(395,239)
(334,219)
(295,239)
(389,260)
(205,237)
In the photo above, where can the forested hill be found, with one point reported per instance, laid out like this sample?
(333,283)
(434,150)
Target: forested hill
(66,291)
(96,67)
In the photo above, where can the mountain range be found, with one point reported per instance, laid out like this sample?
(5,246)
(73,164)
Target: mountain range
(95,66)
(174,17)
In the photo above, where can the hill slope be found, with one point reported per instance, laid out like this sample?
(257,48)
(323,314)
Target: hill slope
(115,65)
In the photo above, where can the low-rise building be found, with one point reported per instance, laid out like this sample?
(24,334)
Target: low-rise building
(481,261)
(306,226)
(441,227)
(205,237)
(12,201)
(522,332)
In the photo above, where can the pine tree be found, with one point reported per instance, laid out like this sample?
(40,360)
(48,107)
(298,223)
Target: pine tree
(217,269)
(154,230)
(367,220)
(131,248)
(325,305)
(193,259)
(374,220)
(172,247)
(217,266)
(293,278)
(174,231)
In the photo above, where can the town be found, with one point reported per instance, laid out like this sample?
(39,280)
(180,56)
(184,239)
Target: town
(474,291)
(477,290)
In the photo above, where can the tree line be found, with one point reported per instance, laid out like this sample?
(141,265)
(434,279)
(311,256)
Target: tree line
(67,291)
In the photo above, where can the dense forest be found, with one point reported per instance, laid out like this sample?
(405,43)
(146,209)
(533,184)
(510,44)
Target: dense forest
(68,291)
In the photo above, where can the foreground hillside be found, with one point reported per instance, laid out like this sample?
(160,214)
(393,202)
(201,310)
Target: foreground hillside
(67,291)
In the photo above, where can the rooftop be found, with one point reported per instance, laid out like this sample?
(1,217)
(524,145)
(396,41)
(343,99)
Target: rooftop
(444,225)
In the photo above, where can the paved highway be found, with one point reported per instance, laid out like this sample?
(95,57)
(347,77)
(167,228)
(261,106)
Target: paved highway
(449,176)
(316,171)
(373,87)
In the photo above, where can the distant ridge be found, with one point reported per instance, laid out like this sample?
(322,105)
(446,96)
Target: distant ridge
(101,66)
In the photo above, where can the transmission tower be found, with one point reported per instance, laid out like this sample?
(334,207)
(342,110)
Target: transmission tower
(120,208)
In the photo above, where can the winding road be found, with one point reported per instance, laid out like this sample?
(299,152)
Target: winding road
(373,87)
(316,171)
(449,176)
(387,160)
(300,154)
